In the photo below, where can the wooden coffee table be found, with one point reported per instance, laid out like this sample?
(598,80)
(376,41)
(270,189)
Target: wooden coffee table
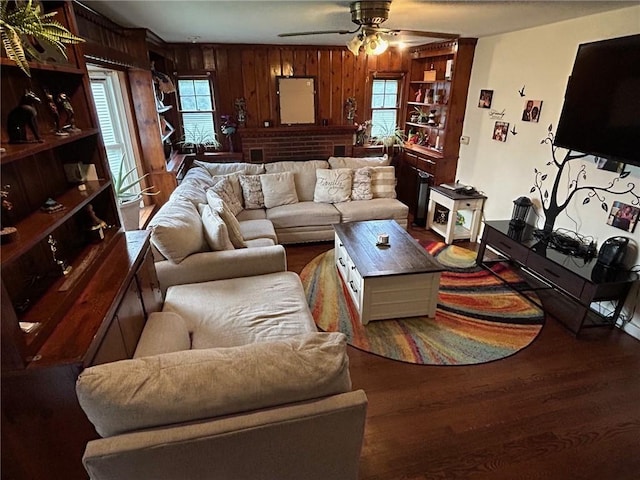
(394,281)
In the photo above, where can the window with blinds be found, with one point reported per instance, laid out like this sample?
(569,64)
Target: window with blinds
(384,107)
(197,110)
(112,119)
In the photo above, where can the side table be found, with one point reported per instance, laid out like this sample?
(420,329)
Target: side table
(455,202)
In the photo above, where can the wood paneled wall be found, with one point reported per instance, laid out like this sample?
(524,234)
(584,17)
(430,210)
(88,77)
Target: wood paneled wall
(251,71)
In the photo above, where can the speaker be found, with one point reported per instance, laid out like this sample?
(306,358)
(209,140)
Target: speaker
(612,251)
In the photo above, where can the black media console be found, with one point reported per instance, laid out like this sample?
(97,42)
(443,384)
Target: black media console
(578,292)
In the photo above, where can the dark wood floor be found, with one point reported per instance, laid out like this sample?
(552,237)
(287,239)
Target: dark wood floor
(563,408)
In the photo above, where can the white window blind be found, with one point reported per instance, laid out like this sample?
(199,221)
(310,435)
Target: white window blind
(384,107)
(197,110)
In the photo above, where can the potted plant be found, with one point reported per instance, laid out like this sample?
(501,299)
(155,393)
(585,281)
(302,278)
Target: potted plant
(419,115)
(198,140)
(129,199)
(27,20)
(389,136)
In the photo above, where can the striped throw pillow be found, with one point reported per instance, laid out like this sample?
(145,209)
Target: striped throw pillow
(383,182)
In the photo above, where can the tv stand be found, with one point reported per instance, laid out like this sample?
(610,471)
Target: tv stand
(563,285)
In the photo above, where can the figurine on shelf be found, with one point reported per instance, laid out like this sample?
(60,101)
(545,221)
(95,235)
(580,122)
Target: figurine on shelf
(228,128)
(53,108)
(23,117)
(7,230)
(241,110)
(419,95)
(70,118)
(95,226)
(64,267)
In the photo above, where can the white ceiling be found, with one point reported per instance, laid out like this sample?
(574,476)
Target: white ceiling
(259,22)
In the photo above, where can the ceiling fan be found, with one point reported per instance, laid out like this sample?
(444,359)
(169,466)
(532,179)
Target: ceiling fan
(369,15)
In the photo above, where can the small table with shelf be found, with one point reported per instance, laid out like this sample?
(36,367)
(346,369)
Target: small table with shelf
(563,285)
(455,202)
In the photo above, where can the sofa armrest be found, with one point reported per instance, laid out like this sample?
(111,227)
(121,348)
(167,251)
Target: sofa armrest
(206,266)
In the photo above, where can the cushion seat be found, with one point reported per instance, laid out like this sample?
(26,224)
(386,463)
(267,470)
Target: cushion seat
(303,214)
(275,310)
(257,229)
(375,209)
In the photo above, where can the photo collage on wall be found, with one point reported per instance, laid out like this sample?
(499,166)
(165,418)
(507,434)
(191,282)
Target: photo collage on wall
(623,216)
(530,113)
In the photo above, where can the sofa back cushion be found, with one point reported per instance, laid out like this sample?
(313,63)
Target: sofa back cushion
(304,175)
(333,186)
(359,162)
(176,230)
(192,385)
(227,168)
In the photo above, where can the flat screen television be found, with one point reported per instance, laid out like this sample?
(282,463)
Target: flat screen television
(601,111)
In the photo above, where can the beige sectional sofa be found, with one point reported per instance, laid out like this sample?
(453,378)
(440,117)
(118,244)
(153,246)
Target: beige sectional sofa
(230,381)
(297,201)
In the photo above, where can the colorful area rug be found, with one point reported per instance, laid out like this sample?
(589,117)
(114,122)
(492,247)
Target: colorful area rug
(478,318)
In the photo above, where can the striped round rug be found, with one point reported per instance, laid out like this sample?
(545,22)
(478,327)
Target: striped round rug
(478,319)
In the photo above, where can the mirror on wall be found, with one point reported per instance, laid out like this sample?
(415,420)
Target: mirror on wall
(297,100)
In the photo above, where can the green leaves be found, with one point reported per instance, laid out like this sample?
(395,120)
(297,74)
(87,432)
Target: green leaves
(125,182)
(25,21)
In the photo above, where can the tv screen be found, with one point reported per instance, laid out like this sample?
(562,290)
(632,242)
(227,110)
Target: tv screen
(601,111)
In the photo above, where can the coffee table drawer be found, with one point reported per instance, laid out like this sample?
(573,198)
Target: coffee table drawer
(341,258)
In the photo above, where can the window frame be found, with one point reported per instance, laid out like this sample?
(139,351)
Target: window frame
(198,75)
(400,76)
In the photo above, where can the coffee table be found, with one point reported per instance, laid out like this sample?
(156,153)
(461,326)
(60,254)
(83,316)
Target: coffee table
(394,281)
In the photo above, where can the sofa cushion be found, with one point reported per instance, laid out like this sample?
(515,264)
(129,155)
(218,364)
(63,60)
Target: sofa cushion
(225,191)
(376,209)
(361,188)
(304,175)
(257,214)
(358,162)
(278,189)
(333,186)
(227,168)
(164,332)
(216,232)
(220,207)
(186,386)
(176,230)
(191,191)
(199,176)
(241,310)
(303,213)
(252,191)
(253,229)
(383,182)
(259,242)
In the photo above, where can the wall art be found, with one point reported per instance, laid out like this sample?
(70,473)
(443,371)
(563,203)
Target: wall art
(623,216)
(500,131)
(486,96)
(531,112)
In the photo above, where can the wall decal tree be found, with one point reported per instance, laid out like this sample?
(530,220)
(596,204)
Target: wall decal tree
(553,205)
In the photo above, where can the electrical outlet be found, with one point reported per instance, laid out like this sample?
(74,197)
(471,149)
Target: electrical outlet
(464,140)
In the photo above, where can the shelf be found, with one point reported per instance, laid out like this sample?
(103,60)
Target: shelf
(46,67)
(16,151)
(38,225)
(432,152)
(425,125)
(428,104)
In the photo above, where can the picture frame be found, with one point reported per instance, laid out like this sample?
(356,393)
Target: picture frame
(609,165)
(486,97)
(623,216)
(500,131)
(531,111)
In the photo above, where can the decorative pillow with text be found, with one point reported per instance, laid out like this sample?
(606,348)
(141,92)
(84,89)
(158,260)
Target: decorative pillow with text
(333,186)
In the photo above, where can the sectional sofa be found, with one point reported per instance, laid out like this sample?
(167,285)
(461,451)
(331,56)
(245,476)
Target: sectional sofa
(264,206)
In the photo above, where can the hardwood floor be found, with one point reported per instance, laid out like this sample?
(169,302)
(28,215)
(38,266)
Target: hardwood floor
(563,408)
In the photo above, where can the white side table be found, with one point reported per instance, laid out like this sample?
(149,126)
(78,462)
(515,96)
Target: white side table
(455,202)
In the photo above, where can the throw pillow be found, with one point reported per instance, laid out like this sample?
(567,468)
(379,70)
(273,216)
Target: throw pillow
(333,186)
(233,226)
(252,191)
(278,189)
(176,230)
(357,162)
(224,189)
(383,182)
(215,230)
(233,178)
(361,189)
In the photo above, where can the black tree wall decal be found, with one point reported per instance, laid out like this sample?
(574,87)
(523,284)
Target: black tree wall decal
(552,205)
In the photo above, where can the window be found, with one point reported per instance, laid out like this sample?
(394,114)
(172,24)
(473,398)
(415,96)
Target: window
(107,96)
(197,110)
(384,106)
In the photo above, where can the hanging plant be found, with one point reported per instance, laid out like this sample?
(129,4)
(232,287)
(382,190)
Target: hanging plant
(24,21)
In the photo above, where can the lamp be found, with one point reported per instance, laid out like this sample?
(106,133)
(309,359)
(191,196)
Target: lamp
(520,213)
(355,43)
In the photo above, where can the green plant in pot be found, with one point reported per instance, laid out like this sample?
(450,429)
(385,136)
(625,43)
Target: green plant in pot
(25,21)
(389,135)
(128,198)
(420,115)
(198,140)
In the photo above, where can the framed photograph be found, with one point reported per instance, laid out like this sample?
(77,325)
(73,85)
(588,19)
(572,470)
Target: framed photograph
(485,98)
(609,165)
(623,216)
(500,131)
(531,112)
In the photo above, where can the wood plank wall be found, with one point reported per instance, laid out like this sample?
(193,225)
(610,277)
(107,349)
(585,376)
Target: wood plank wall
(251,71)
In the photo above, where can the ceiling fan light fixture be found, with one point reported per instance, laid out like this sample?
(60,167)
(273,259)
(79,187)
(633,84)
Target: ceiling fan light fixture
(355,43)
(374,44)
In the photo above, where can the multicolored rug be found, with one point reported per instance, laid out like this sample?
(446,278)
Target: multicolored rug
(478,318)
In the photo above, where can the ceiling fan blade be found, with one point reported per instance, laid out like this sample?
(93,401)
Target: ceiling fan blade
(422,33)
(321,32)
